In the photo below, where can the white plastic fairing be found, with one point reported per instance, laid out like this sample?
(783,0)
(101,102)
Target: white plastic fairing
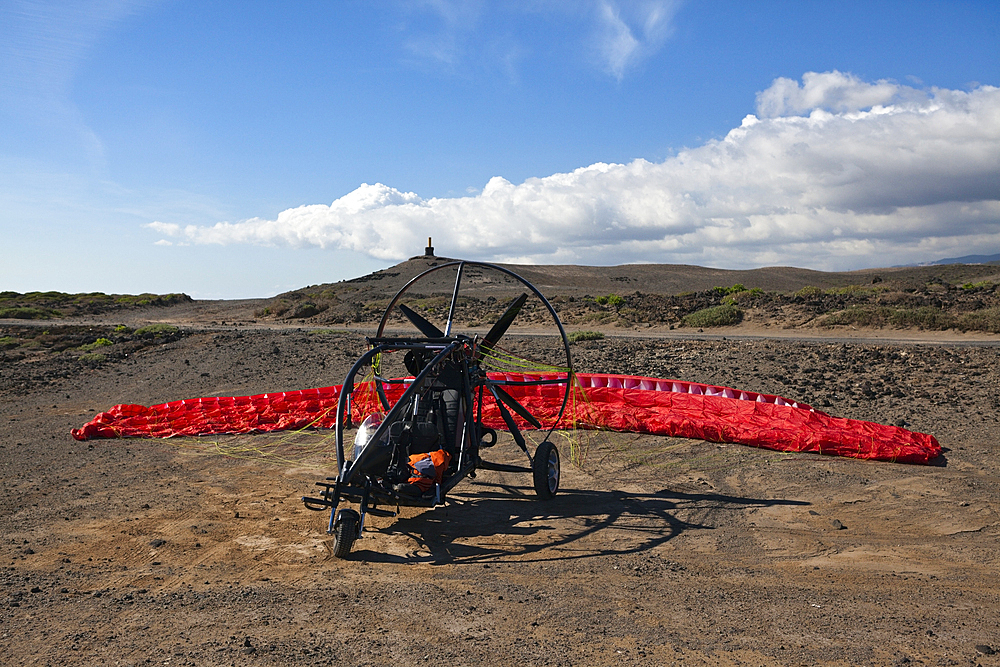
(366,431)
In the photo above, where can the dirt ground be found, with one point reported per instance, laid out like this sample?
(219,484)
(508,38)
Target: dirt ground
(656,551)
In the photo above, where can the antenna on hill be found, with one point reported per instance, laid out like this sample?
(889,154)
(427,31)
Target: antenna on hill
(429,250)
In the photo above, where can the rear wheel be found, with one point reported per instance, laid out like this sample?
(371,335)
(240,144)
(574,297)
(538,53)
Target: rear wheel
(345,531)
(545,470)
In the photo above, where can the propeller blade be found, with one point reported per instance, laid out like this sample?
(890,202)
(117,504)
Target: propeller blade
(511,424)
(500,328)
(514,405)
(426,328)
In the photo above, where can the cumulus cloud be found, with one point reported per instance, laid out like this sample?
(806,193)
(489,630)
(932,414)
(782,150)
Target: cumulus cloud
(834,173)
(832,91)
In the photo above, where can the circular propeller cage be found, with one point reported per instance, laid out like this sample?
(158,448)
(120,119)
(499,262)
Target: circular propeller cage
(547,330)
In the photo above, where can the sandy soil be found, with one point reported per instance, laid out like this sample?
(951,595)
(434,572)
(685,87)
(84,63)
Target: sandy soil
(656,551)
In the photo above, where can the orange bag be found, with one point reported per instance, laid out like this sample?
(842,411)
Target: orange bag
(428,469)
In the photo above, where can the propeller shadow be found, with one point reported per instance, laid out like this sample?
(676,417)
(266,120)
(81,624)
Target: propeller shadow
(491,522)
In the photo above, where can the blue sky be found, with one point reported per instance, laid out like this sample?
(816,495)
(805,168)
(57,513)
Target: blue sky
(242,149)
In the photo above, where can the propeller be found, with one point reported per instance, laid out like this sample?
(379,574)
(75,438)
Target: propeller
(502,397)
(426,328)
(514,405)
(500,328)
(511,424)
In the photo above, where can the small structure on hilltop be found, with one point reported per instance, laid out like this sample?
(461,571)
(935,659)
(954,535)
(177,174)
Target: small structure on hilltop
(429,250)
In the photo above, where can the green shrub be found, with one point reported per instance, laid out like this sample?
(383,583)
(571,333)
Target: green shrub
(726,291)
(925,317)
(981,320)
(578,336)
(157,331)
(8,341)
(597,318)
(848,290)
(862,316)
(809,292)
(27,313)
(122,329)
(612,300)
(744,297)
(100,342)
(716,316)
(147,299)
(305,310)
(93,358)
(43,296)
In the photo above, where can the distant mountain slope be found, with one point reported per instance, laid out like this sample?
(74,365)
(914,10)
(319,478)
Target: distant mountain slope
(969,259)
(647,278)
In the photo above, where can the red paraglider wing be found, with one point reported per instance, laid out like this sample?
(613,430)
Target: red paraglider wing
(615,402)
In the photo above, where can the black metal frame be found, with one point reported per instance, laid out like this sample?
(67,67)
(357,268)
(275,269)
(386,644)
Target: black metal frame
(353,482)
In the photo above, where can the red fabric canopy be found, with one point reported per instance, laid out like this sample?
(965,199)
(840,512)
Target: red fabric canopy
(616,402)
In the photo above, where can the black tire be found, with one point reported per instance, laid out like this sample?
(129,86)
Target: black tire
(545,470)
(345,531)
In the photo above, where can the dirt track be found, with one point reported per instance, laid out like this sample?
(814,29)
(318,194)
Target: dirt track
(656,551)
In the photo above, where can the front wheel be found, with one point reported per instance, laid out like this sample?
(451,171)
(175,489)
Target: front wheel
(545,470)
(345,531)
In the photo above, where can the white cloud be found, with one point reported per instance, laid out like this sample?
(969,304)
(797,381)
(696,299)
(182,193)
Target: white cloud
(831,91)
(445,41)
(165,228)
(628,32)
(42,44)
(837,173)
(461,35)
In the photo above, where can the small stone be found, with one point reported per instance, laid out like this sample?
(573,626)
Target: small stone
(157,543)
(814,512)
(837,525)
(36,589)
(985,649)
(29,550)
